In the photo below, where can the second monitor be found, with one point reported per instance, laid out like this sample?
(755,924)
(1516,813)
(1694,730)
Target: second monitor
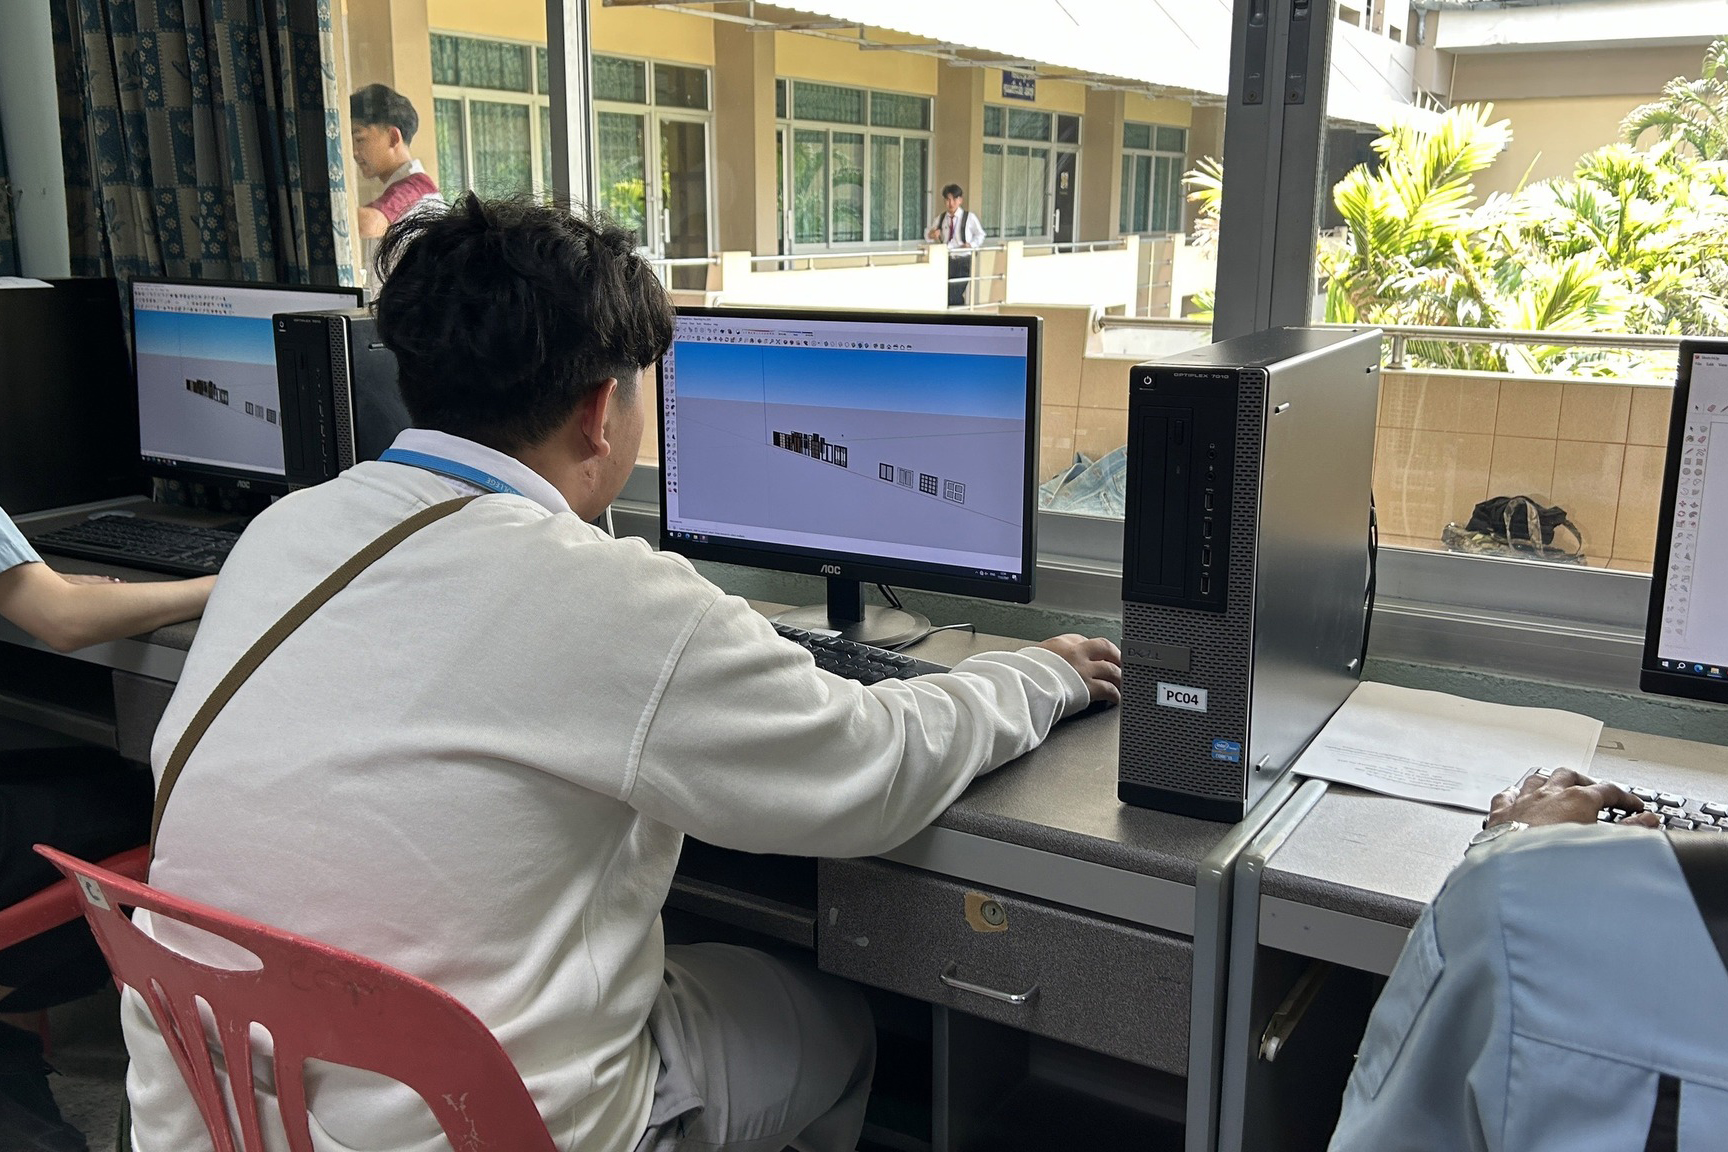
(861,447)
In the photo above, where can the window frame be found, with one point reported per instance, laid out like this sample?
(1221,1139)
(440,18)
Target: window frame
(998,196)
(790,124)
(653,240)
(1522,618)
(537,101)
(1131,156)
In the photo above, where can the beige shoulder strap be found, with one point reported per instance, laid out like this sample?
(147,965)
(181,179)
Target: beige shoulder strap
(279,632)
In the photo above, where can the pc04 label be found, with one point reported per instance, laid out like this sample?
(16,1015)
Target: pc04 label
(1181,696)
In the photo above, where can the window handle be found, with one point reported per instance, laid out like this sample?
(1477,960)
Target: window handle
(951,977)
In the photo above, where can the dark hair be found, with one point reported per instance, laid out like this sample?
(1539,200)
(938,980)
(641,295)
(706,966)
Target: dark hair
(953,190)
(381,104)
(504,315)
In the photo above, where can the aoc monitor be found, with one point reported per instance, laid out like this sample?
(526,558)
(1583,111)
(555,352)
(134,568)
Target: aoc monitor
(1686,637)
(204,358)
(864,447)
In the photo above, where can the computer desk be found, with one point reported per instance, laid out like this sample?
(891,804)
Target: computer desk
(1071,949)
(1326,894)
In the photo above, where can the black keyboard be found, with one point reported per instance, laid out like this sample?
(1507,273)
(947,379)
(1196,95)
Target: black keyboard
(1675,811)
(864,663)
(134,542)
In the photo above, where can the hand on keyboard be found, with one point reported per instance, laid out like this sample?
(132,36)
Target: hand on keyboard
(1566,797)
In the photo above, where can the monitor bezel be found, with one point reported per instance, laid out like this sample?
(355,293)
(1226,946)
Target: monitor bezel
(876,569)
(1652,677)
(156,466)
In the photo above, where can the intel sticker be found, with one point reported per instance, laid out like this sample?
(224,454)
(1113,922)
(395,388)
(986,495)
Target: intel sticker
(1181,696)
(1230,750)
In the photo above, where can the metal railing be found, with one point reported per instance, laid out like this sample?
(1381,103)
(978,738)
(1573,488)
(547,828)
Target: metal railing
(1399,336)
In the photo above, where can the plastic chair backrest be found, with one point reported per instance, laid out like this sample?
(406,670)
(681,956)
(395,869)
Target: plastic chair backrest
(59,903)
(317,1003)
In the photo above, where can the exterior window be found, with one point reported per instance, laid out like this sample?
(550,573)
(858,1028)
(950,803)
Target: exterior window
(851,187)
(679,87)
(1017,176)
(491,116)
(1153,159)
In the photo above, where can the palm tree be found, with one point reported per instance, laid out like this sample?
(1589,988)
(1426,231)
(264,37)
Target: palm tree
(1692,111)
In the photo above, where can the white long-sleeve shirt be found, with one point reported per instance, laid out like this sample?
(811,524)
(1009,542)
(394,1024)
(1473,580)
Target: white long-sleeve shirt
(960,230)
(477,764)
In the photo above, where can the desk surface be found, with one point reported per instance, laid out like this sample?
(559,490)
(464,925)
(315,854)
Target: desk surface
(1355,874)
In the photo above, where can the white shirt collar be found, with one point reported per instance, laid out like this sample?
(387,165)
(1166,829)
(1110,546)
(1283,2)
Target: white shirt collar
(488,460)
(404,172)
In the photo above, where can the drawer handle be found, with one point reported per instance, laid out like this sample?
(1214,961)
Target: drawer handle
(951,977)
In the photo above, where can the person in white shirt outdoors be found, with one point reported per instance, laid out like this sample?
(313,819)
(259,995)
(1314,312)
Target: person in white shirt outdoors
(962,232)
(478,761)
(1562,994)
(83,800)
(384,124)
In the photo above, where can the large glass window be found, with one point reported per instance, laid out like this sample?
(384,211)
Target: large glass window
(1153,162)
(1017,176)
(492,116)
(873,185)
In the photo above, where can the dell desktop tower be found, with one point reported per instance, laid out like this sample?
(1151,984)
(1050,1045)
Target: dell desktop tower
(1247,564)
(338,387)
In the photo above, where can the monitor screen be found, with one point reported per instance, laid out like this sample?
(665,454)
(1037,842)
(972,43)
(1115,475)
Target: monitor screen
(1686,648)
(205,361)
(863,446)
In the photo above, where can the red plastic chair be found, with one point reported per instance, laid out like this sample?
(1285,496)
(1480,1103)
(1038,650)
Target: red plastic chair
(318,1003)
(60,903)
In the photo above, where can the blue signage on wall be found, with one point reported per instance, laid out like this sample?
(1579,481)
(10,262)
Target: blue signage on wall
(1019,86)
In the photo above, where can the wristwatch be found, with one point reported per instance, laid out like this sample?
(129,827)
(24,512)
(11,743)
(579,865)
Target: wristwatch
(1494,832)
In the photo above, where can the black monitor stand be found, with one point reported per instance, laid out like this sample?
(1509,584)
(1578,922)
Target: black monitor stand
(850,618)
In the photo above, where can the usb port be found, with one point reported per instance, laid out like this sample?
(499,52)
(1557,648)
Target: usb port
(1206,556)
(1208,501)
(1206,529)
(1205,585)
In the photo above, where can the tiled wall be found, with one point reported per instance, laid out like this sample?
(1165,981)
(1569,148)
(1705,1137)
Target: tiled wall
(1449,439)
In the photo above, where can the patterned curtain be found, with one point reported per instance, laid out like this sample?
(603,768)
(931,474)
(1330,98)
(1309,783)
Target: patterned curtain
(195,138)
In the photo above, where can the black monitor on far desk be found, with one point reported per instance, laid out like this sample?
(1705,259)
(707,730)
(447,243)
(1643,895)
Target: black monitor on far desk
(1686,637)
(862,447)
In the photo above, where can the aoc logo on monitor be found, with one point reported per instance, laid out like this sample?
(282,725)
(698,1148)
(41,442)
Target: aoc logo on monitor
(830,569)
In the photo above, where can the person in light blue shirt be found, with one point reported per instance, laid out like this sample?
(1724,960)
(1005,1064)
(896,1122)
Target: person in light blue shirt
(84,800)
(1562,994)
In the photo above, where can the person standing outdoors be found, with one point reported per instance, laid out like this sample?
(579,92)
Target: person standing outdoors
(963,232)
(384,123)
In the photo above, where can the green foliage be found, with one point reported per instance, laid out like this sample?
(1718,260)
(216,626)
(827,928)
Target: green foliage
(1694,112)
(1634,241)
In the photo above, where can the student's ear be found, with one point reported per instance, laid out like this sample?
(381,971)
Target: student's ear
(395,136)
(594,415)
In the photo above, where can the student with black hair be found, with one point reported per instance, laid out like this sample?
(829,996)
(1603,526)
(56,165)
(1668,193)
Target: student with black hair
(963,233)
(477,761)
(383,126)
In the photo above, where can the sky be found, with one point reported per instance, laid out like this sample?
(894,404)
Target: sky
(988,386)
(248,339)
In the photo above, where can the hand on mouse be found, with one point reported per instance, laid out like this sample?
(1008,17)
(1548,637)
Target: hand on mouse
(1098,661)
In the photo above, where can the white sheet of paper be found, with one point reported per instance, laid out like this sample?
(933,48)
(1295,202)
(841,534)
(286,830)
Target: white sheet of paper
(1443,749)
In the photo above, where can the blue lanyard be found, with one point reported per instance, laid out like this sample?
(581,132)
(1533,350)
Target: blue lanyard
(450,468)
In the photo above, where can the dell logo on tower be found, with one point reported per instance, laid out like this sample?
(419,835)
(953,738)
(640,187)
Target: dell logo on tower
(830,569)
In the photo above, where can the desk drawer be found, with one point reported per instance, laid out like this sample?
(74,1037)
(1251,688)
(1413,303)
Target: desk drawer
(139,702)
(1083,979)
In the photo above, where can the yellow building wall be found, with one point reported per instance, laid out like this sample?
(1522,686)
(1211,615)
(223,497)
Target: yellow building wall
(1144,109)
(503,19)
(830,62)
(1053,95)
(675,36)
(1549,135)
